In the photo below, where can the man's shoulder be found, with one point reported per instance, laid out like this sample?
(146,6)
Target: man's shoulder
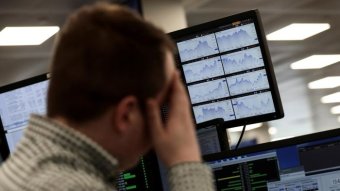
(67,179)
(53,177)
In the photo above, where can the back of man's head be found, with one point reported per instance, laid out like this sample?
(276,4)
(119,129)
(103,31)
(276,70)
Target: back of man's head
(104,53)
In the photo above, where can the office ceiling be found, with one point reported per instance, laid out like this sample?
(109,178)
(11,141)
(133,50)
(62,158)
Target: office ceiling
(304,111)
(17,63)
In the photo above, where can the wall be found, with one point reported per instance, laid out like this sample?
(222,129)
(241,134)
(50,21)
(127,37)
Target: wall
(168,15)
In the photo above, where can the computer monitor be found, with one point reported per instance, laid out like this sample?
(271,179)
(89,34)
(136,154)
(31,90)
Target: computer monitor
(17,102)
(212,137)
(310,162)
(227,70)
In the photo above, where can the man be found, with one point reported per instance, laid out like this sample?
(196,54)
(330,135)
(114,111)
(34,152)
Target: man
(111,71)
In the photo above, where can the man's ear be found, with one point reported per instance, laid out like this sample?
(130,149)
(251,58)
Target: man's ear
(125,115)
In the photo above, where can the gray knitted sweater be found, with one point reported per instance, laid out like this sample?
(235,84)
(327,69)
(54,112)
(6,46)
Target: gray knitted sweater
(52,157)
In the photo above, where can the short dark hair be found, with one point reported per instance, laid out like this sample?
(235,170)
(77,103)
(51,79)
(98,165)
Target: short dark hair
(105,52)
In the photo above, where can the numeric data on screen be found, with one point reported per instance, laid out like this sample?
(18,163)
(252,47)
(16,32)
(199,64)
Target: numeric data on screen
(17,105)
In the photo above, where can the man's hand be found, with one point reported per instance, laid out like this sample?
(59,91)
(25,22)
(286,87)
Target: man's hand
(174,142)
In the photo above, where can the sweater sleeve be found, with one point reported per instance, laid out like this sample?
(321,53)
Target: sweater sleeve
(193,176)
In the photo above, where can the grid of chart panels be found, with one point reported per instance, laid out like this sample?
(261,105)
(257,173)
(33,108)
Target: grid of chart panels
(225,74)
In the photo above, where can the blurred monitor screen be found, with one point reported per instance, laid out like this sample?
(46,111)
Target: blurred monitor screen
(310,162)
(17,102)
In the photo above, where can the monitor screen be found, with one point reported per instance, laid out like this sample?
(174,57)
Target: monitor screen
(17,102)
(309,162)
(144,176)
(227,70)
(212,137)
(208,140)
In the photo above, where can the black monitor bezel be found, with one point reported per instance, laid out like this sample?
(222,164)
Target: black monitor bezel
(4,148)
(211,26)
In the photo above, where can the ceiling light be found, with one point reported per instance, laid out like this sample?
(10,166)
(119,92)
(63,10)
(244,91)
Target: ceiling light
(248,127)
(20,36)
(272,130)
(298,31)
(316,61)
(335,110)
(332,98)
(328,82)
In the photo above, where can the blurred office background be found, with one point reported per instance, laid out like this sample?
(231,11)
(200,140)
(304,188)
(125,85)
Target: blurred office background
(305,113)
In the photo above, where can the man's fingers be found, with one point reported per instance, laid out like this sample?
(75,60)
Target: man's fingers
(178,82)
(178,92)
(154,118)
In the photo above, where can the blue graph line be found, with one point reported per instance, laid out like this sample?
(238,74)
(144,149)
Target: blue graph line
(197,47)
(204,69)
(208,91)
(253,105)
(248,82)
(237,37)
(211,113)
(243,60)
(215,110)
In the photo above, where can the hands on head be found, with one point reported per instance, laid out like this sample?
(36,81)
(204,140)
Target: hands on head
(174,141)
